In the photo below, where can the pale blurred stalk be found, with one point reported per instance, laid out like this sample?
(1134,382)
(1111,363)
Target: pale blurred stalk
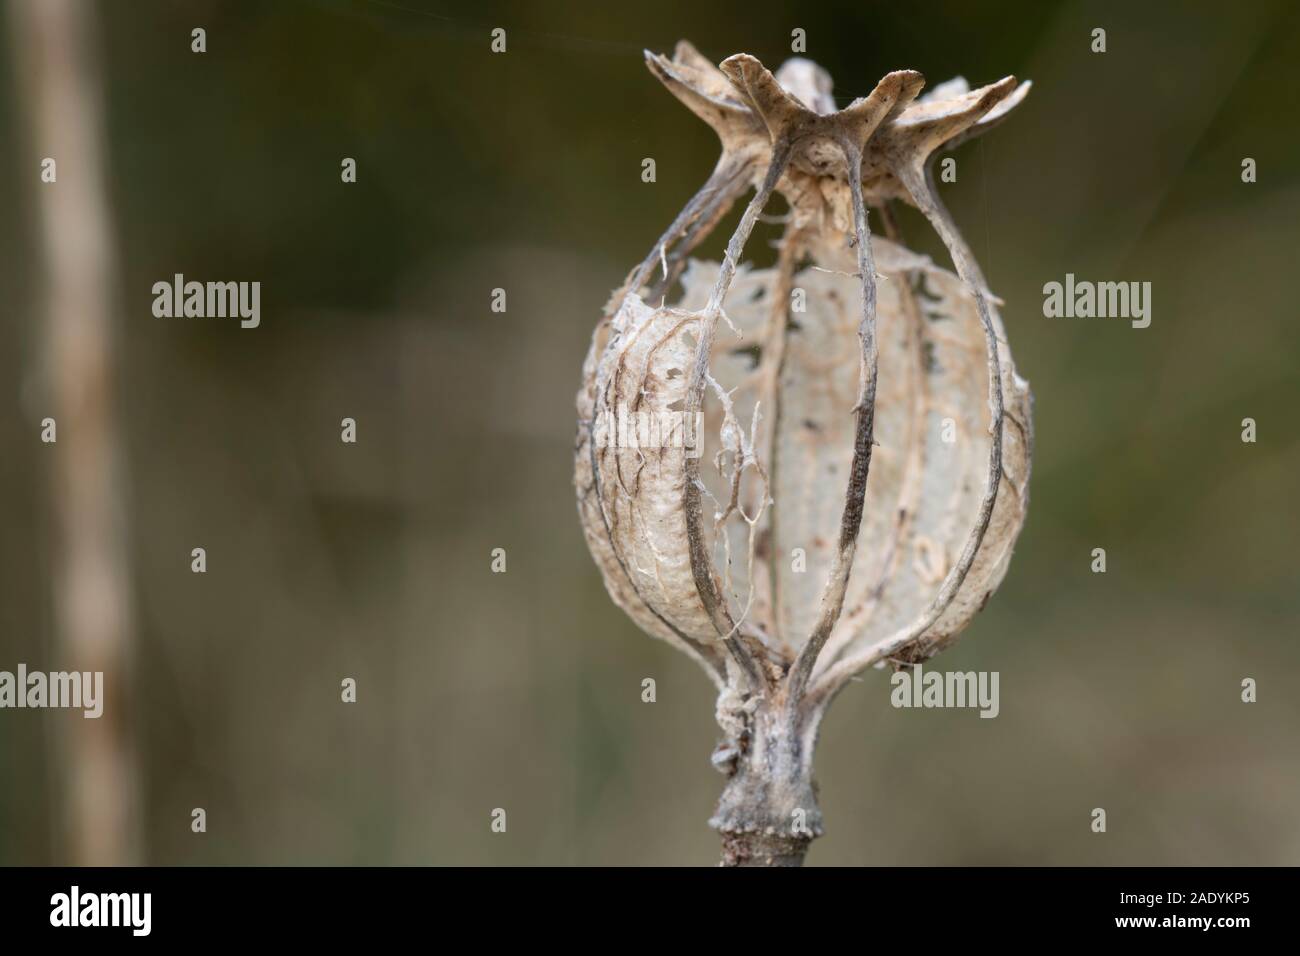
(60,88)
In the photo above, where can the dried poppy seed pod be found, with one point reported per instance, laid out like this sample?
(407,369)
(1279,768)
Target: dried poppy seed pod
(811,489)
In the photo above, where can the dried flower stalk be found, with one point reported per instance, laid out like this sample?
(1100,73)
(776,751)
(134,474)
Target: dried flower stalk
(824,526)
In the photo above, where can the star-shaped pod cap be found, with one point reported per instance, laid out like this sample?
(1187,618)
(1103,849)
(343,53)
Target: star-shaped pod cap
(751,110)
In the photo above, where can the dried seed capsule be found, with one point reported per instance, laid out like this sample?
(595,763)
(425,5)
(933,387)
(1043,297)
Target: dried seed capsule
(794,495)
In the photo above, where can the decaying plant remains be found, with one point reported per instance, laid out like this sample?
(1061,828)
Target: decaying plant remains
(865,456)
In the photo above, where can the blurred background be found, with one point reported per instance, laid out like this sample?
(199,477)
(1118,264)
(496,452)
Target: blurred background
(521,690)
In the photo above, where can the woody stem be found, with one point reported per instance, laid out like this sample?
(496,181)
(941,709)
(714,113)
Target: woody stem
(768,813)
